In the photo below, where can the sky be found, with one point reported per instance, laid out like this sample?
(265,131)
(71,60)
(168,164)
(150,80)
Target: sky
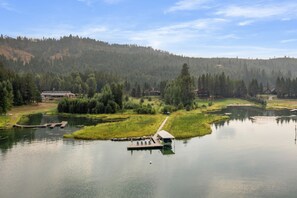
(196,28)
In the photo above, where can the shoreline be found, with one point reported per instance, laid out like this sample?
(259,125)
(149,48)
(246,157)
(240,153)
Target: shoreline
(182,124)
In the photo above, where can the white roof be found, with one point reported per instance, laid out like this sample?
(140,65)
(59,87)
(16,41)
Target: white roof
(56,93)
(165,135)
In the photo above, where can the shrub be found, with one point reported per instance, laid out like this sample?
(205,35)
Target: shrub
(131,105)
(146,109)
(168,108)
(180,106)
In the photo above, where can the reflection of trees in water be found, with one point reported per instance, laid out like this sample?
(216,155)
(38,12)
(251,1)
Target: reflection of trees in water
(245,113)
(13,136)
(282,120)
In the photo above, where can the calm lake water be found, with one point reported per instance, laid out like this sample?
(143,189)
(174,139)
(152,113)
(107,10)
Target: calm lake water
(243,157)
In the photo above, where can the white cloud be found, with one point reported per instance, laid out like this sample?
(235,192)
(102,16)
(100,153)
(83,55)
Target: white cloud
(178,33)
(187,5)
(258,11)
(288,41)
(90,2)
(245,23)
(6,6)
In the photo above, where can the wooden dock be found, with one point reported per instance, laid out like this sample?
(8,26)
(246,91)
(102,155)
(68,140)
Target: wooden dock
(152,143)
(29,126)
(50,125)
(143,145)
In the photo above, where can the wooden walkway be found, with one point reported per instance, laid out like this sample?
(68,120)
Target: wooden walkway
(62,124)
(153,143)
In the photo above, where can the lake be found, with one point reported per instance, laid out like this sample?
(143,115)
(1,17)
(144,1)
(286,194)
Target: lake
(251,155)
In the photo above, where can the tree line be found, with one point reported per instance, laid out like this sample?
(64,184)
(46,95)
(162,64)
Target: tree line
(109,100)
(16,89)
(286,88)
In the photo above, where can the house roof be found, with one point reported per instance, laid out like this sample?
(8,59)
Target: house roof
(56,93)
(165,135)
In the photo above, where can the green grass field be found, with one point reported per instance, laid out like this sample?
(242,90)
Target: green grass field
(183,124)
(134,126)
(281,104)
(3,121)
(15,114)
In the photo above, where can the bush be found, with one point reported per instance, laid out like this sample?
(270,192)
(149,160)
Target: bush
(131,105)
(168,108)
(141,100)
(146,109)
(257,100)
(210,104)
(150,99)
(188,108)
(180,106)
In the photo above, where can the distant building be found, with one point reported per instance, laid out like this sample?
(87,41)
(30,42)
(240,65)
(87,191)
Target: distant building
(55,95)
(270,91)
(152,92)
(203,93)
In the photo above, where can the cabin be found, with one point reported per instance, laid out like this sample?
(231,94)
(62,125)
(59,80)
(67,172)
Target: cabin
(273,91)
(56,95)
(152,92)
(165,137)
(267,91)
(203,93)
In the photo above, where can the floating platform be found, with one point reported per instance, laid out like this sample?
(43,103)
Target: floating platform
(153,143)
(145,146)
(29,126)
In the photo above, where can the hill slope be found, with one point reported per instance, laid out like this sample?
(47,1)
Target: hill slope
(136,63)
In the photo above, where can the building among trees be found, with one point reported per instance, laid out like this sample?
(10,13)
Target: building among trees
(203,93)
(55,95)
(152,92)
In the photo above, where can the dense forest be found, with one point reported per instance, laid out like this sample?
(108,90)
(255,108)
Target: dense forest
(101,75)
(133,63)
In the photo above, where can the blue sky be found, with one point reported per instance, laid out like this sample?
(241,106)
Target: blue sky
(199,28)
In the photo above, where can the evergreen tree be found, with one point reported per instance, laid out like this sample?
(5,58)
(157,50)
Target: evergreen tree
(92,85)
(186,84)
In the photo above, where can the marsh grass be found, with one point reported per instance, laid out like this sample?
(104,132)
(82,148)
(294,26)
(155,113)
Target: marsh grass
(3,121)
(134,126)
(183,124)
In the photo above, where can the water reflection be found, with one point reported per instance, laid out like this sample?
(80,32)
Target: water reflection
(166,150)
(11,137)
(241,159)
(255,114)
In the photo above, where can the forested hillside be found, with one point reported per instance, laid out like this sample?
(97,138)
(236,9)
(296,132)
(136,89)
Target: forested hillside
(133,63)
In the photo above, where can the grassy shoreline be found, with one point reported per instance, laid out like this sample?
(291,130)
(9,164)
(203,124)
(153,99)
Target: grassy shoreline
(182,124)
(134,126)
(16,113)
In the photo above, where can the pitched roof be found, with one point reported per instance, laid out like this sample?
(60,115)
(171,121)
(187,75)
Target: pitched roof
(165,135)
